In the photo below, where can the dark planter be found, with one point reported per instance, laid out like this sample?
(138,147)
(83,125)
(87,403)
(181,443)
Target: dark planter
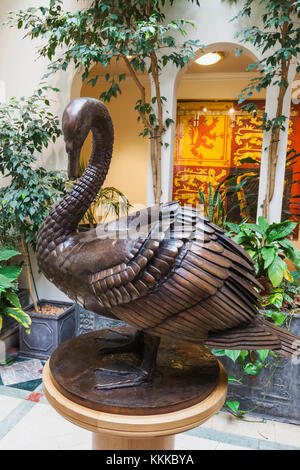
(282,401)
(47,331)
(90,321)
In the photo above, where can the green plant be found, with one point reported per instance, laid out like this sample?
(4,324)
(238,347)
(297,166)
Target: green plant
(137,33)
(250,199)
(214,205)
(268,245)
(109,201)
(252,363)
(9,302)
(26,128)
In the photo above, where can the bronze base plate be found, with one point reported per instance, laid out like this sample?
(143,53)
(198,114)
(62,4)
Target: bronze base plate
(185,375)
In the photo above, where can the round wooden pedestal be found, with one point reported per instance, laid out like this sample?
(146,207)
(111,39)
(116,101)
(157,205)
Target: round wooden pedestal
(130,432)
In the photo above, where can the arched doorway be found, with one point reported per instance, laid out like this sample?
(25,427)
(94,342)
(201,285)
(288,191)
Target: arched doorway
(216,139)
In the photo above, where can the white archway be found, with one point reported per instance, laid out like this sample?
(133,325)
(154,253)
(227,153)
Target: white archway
(170,81)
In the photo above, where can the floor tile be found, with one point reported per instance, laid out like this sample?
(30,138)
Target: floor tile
(7,404)
(30,385)
(186,442)
(287,434)
(251,427)
(222,446)
(42,428)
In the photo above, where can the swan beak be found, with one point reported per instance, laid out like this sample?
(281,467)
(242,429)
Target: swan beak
(73,164)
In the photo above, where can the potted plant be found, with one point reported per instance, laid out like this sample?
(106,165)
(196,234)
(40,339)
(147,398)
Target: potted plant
(10,306)
(262,382)
(109,201)
(26,128)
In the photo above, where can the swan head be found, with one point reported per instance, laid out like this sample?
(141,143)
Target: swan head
(81,116)
(76,124)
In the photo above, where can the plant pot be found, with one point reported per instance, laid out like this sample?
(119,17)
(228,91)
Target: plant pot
(90,321)
(47,331)
(282,401)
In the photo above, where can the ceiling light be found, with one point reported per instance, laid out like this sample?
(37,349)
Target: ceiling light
(210,58)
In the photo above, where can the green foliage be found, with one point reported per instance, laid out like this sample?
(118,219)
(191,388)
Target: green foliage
(9,301)
(252,363)
(214,205)
(278,39)
(109,201)
(26,128)
(111,29)
(250,199)
(285,297)
(268,246)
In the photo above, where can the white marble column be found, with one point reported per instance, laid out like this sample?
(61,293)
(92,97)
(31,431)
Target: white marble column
(167,87)
(271,106)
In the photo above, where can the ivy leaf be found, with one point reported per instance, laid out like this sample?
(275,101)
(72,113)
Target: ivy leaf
(233,406)
(218,352)
(232,354)
(232,379)
(253,369)
(278,318)
(263,354)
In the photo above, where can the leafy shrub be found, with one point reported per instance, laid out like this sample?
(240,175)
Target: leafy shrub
(268,246)
(9,301)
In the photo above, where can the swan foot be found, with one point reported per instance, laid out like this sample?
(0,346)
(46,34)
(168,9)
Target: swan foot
(128,375)
(116,342)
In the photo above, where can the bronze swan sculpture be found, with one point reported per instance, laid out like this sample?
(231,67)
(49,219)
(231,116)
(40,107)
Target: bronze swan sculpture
(182,277)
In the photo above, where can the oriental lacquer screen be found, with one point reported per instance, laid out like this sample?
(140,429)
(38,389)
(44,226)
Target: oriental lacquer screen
(213,140)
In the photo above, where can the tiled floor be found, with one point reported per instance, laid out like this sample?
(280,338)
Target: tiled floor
(27,421)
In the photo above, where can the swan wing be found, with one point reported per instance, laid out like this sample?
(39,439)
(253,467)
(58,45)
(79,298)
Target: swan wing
(187,282)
